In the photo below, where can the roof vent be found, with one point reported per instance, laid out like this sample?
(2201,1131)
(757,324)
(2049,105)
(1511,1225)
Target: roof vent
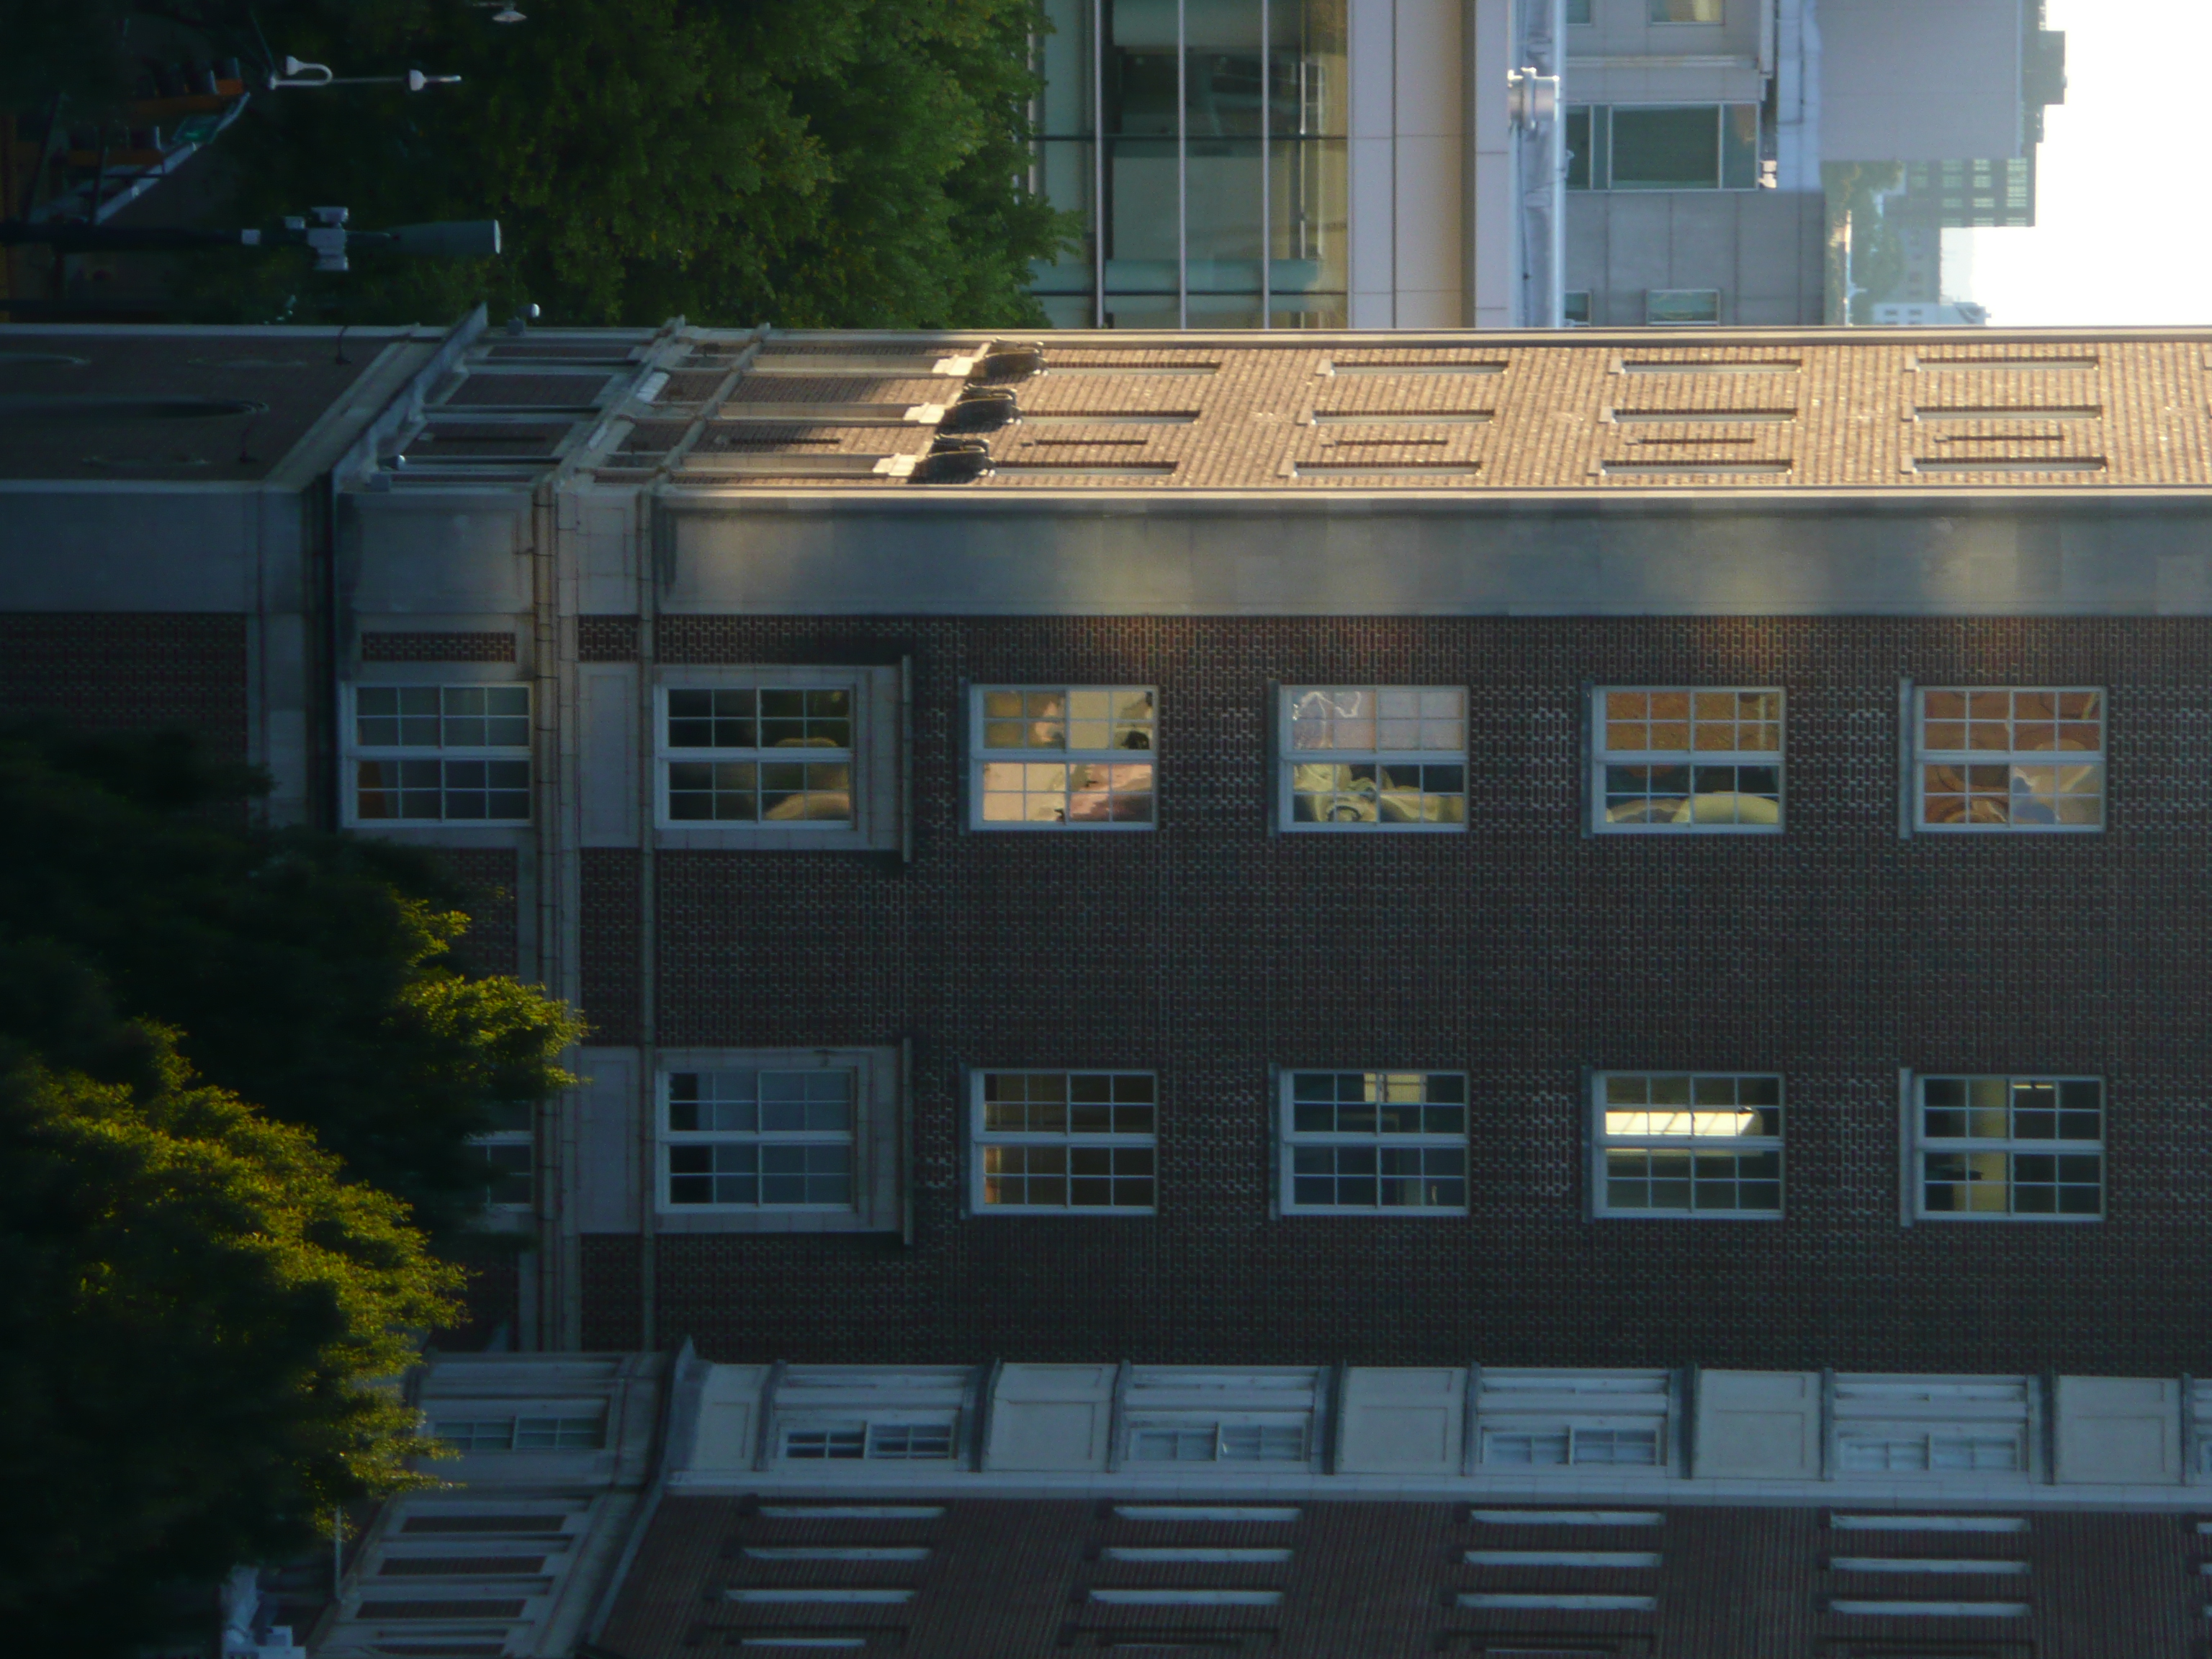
(980,408)
(1008,365)
(953,461)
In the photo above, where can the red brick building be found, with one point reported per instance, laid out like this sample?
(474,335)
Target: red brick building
(1480,857)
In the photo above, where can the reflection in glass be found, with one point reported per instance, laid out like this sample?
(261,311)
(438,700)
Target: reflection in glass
(1202,143)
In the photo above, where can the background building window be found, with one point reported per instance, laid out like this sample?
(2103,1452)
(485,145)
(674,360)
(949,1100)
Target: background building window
(1682,1143)
(1683,11)
(759,1138)
(779,757)
(1204,147)
(1374,1142)
(1374,758)
(1990,1148)
(1662,147)
(1688,759)
(1575,307)
(433,754)
(1578,12)
(1057,1141)
(1681,307)
(1063,757)
(2018,758)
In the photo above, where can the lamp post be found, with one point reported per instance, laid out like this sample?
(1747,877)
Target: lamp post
(297,73)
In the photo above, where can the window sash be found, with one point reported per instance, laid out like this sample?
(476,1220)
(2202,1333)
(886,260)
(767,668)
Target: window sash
(2038,1177)
(1221,1440)
(406,772)
(1748,807)
(2005,793)
(761,1142)
(1701,1168)
(1416,1171)
(734,772)
(1101,786)
(1406,789)
(1014,1171)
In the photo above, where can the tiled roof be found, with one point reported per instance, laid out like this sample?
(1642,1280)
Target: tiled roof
(1833,410)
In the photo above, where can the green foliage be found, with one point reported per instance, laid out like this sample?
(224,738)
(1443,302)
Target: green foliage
(195,1309)
(309,973)
(852,163)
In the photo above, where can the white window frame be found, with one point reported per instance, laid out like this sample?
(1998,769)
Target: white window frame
(1924,756)
(981,1139)
(1920,1146)
(353,752)
(875,823)
(1230,1429)
(877,1198)
(1603,1141)
(1542,1404)
(1291,1139)
(1603,757)
(1289,759)
(981,756)
(877,1431)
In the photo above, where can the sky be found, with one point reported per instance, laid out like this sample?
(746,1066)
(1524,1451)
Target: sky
(2119,235)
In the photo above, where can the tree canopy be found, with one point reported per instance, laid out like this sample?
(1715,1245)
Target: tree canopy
(309,973)
(194,1311)
(839,163)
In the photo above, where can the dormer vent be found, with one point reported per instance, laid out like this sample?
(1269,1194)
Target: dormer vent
(980,408)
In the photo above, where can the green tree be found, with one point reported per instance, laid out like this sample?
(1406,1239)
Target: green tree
(839,163)
(196,1310)
(310,973)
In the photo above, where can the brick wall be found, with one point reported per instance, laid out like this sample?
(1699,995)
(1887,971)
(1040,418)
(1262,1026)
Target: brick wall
(488,879)
(450,647)
(1519,952)
(121,672)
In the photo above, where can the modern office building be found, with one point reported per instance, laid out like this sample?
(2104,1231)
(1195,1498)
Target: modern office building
(1303,164)
(1376,992)
(1717,146)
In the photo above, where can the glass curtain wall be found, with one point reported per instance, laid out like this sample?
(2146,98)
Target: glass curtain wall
(1203,142)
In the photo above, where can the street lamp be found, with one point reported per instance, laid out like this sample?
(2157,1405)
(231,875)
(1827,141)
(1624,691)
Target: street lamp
(297,73)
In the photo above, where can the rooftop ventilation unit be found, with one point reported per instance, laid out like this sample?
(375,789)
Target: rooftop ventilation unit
(953,461)
(980,408)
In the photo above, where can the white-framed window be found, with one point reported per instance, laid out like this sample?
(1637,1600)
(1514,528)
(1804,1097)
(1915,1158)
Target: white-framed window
(777,1140)
(531,1431)
(2018,758)
(2008,1148)
(1253,1440)
(1682,308)
(438,754)
(1543,1418)
(1687,1143)
(1062,757)
(1673,760)
(759,1138)
(509,1150)
(1059,1142)
(1637,1446)
(904,1442)
(775,755)
(789,757)
(1374,1143)
(1894,1450)
(1373,757)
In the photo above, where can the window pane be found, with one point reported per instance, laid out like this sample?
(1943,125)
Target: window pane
(1666,147)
